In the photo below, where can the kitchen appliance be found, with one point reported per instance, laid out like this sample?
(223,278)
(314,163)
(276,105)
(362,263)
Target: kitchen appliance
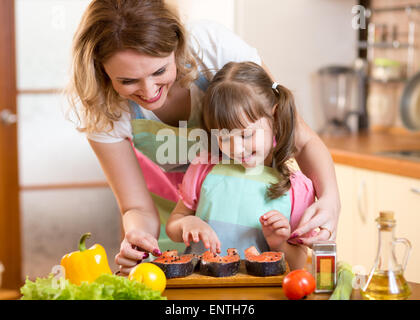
(341,93)
(410,103)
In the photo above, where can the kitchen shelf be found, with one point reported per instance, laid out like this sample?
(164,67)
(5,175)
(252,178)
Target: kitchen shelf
(390,81)
(409,45)
(407,8)
(383,45)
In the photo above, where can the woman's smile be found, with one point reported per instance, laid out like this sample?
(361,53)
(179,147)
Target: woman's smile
(153,99)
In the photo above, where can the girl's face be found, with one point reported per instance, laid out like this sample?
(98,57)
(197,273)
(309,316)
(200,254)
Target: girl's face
(251,146)
(142,78)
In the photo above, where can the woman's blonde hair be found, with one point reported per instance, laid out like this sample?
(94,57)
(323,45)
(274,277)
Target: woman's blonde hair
(108,26)
(245,89)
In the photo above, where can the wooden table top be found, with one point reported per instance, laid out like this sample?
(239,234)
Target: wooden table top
(258,293)
(9,294)
(242,293)
(361,150)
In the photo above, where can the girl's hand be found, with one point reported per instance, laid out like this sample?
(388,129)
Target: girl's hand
(322,214)
(276,229)
(195,229)
(134,248)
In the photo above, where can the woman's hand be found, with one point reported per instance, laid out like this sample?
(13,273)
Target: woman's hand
(134,248)
(276,229)
(322,214)
(194,229)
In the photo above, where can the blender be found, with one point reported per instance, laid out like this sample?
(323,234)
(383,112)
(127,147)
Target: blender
(337,85)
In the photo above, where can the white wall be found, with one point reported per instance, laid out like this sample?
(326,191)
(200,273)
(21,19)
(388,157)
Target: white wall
(221,11)
(44,30)
(295,38)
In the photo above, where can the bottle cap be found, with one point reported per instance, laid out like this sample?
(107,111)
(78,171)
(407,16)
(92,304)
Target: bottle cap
(326,245)
(386,220)
(386,215)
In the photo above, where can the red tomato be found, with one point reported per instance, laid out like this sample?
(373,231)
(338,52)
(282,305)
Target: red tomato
(298,284)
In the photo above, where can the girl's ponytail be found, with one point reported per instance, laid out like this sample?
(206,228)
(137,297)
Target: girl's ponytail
(284,130)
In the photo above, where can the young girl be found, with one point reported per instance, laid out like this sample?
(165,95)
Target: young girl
(258,200)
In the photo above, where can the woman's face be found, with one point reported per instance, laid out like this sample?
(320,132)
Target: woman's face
(142,78)
(251,146)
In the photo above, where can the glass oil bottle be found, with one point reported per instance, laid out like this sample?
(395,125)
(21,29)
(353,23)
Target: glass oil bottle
(386,280)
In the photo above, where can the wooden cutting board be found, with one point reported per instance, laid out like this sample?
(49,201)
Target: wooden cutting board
(241,279)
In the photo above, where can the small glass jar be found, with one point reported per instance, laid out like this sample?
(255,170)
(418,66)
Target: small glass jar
(382,105)
(384,69)
(324,264)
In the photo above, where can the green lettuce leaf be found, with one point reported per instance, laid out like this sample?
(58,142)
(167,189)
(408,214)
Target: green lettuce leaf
(106,287)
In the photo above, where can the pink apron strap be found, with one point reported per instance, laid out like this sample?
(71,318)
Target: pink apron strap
(164,184)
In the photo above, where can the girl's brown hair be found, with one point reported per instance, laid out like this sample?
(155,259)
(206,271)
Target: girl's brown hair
(245,88)
(108,26)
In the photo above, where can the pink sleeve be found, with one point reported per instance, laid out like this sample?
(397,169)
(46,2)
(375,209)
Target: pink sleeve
(302,195)
(189,190)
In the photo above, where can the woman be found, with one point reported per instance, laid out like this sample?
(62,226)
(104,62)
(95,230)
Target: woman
(136,70)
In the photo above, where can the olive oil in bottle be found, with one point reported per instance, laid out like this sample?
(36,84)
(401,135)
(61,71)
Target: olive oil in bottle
(386,280)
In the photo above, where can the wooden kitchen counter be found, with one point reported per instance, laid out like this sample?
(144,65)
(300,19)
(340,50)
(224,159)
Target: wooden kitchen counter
(9,294)
(360,150)
(258,293)
(239,293)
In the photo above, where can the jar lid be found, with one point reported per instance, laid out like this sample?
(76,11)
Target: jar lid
(386,215)
(326,245)
(386,220)
(384,62)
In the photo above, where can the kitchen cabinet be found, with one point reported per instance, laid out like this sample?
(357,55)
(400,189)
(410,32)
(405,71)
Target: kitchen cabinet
(365,229)
(400,194)
(364,193)
(345,180)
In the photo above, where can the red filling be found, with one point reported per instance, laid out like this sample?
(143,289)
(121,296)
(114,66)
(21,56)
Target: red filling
(232,256)
(169,257)
(252,254)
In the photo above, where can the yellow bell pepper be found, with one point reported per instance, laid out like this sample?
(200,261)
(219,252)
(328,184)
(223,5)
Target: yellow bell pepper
(85,264)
